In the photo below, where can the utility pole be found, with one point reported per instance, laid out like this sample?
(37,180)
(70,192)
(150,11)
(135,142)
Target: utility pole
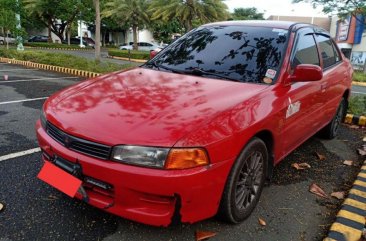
(20,46)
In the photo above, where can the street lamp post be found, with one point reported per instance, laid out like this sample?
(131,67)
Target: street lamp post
(20,46)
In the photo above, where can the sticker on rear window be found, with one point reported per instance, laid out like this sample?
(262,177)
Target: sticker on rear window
(271,73)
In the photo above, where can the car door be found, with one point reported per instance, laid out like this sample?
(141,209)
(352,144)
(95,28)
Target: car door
(303,100)
(142,46)
(333,76)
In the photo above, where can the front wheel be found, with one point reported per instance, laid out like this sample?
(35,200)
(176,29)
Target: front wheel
(245,182)
(330,130)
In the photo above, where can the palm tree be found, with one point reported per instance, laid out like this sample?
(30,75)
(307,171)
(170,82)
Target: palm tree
(189,10)
(131,11)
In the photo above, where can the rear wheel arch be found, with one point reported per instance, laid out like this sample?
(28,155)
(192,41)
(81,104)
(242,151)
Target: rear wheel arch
(267,137)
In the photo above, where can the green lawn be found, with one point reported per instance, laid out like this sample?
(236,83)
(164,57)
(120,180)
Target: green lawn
(63,60)
(359,76)
(357,105)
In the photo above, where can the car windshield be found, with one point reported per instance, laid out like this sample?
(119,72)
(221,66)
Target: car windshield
(238,53)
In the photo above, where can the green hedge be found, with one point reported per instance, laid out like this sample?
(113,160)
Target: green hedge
(359,76)
(63,60)
(133,54)
(54,45)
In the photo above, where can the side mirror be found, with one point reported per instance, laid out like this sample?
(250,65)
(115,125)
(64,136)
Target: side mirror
(306,72)
(153,53)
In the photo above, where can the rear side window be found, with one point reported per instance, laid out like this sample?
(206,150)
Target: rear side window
(327,50)
(305,51)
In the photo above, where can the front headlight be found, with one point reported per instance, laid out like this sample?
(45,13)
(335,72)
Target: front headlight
(141,155)
(159,157)
(43,119)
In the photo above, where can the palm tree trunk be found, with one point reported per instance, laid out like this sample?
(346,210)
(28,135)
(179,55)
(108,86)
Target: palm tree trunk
(97,30)
(188,25)
(134,32)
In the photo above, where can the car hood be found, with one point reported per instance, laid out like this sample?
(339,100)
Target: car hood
(143,106)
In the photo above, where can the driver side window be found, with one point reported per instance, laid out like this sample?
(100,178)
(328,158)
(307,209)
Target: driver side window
(305,51)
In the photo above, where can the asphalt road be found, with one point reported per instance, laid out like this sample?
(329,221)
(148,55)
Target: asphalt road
(358,90)
(36,211)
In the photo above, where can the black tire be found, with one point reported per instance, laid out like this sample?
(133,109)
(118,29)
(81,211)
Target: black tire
(330,130)
(245,182)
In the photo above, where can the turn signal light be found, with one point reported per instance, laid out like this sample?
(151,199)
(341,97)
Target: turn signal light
(184,158)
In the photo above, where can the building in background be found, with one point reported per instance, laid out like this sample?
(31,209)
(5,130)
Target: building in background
(322,22)
(350,35)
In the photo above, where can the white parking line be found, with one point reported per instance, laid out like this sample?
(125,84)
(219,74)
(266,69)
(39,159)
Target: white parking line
(18,101)
(18,154)
(25,80)
(362,93)
(7,70)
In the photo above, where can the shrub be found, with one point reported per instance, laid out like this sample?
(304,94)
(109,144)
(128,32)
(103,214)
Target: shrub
(133,54)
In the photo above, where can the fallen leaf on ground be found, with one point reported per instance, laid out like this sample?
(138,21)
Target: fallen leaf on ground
(301,166)
(1,207)
(338,195)
(364,139)
(362,152)
(52,197)
(202,235)
(320,156)
(262,222)
(354,127)
(348,163)
(314,188)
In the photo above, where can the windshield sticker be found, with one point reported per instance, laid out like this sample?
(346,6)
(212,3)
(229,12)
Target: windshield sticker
(280,31)
(271,73)
(267,80)
(292,108)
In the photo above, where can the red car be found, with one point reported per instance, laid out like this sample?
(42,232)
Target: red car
(197,130)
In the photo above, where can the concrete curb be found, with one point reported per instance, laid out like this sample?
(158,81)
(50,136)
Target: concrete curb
(71,49)
(357,120)
(350,220)
(359,83)
(76,72)
(127,59)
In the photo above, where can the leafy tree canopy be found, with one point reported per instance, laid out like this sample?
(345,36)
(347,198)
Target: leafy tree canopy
(246,14)
(342,8)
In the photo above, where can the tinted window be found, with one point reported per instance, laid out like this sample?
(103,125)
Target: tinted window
(239,53)
(305,50)
(327,51)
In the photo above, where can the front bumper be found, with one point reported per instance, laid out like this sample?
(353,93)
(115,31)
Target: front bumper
(150,196)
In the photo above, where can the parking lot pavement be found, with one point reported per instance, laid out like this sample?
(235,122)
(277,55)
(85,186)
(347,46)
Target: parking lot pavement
(36,211)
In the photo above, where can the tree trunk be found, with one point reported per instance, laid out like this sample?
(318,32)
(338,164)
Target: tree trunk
(188,25)
(134,33)
(68,32)
(49,30)
(97,30)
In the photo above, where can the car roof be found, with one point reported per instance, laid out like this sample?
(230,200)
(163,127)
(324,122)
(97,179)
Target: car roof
(263,23)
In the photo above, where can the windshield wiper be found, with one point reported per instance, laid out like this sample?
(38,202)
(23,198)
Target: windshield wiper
(199,72)
(159,66)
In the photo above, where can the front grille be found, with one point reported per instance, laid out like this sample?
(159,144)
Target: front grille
(80,145)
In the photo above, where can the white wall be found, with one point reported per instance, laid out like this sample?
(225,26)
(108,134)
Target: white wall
(143,36)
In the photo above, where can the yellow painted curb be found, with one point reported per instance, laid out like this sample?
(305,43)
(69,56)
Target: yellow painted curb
(350,220)
(357,120)
(70,71)
(359,83)
(127,59)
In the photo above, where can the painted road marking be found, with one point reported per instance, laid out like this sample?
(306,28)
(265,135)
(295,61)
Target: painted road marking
(356,92)
(350,220)
(25,80)
(18,101)
(18,154)
(7,70)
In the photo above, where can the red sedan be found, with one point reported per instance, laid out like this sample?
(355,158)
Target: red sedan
(197,130)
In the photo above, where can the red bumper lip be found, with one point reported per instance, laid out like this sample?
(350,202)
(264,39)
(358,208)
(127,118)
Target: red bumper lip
(145,195)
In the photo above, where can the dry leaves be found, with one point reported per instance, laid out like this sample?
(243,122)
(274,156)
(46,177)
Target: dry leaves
(320,156)
(1,207)
(354,127)
(362,152)
(364,139)
(203,235)
(262,222)
(314,188)
(338,195)
(301,166)
(348,163)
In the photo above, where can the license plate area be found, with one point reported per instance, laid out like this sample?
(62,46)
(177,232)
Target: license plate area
(59,179)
